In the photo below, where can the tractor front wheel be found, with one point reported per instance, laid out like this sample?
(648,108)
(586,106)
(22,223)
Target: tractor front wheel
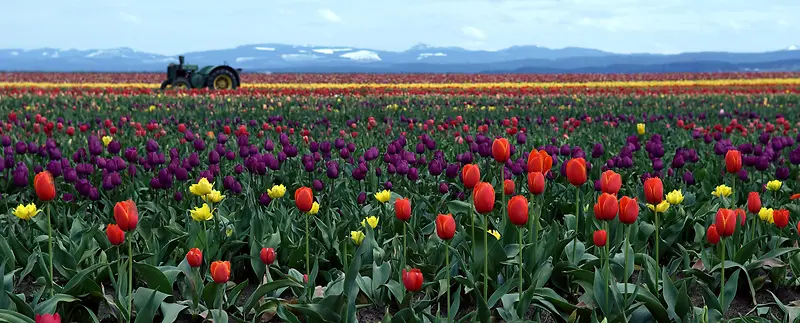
(181,83)
(221,79)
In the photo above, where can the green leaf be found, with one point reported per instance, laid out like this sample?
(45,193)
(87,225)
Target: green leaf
(170,311)
(21,306)
(14,317)
(78,283)
(266,288)
(316,312)
(154,278)
(731,284)
(50,305)
(147,302)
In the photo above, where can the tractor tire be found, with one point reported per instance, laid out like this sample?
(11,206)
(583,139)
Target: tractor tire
(165,84)
(221,79)
(181,83)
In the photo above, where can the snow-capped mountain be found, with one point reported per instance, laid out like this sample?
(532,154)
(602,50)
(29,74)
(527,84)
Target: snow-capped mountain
(419,58)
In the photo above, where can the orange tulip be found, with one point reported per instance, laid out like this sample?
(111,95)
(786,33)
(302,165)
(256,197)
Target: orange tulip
(470,175)
(445,226)
(115,235)
(536,183)
(539,161)
(653,190)
(576,171)
(518,210)
(501,150)
(508,187)
(44,186)
(483,197)
(304,199)
(733,161)
(126,215)
(402,209)
(725,222)
(221,271)
(610,182)
(628,210)
(606,208)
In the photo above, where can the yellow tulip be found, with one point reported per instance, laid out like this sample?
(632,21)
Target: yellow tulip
(203,187)
(26,212)
(383,196)
(774,185)
(107,140)
(640,128)
(722,191)
(276,191)
(765,214)
(357,237)
(675,197)
(314,208)
(495,234)
(660,208)
(372,221)
(203,213)
(215,196)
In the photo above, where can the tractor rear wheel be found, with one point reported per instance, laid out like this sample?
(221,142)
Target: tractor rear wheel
(165,84)
(221,79)
(181,83)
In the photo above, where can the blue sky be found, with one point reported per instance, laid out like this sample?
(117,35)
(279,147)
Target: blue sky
(625,26)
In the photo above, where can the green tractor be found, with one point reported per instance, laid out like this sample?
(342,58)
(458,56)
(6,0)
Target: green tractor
(185,76)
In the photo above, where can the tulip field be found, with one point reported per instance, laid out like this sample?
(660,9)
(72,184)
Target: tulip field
(401,198)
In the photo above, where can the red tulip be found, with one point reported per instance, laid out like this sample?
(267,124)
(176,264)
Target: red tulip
(518,210)
(115,235)
(221,271)
(44,186)
(600,237)
(501,150)
(304,199)
(127,215)
(445,226)
(711,235)
(653,190)
(470,175)
(606,208)
(628,210)
(536,183)
(539,161)
(781,218)
(741,215)
(268,256)
(576,171)
(412,279)
(402,209)
(733,161)
(726,222)
(48,318)
(483,197)
(194,257)
(753,202)
(508,187)
(610,182)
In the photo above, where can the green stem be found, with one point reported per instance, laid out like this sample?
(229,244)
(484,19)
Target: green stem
(520,261)
(532,224)
(447,268)
(130,278)
(627,245)
(472,217)
(722,283)
(658,237)
(608,263)
(577,222)
(50,251)
(308,260)
(403,266)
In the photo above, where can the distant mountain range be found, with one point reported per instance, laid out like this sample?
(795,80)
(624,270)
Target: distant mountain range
(280,58)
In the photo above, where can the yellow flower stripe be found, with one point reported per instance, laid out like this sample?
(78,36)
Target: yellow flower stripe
(726,82)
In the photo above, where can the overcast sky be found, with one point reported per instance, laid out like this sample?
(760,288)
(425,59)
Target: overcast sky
(624,26)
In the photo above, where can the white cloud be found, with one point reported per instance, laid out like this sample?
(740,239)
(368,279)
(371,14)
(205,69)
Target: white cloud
(329,15)
(129,18)
(473,32)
